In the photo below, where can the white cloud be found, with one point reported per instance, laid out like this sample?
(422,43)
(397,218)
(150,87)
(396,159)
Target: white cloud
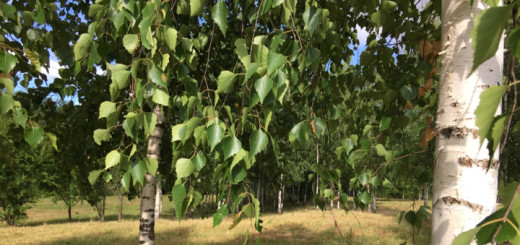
(99,71)
(362,35)
(421,4)
(53,70)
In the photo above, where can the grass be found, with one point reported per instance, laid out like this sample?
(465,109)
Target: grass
(48,224)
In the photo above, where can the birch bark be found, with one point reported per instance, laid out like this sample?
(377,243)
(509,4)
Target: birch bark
(464,193)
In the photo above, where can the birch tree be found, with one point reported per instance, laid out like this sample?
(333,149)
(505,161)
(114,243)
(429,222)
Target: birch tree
(465,186)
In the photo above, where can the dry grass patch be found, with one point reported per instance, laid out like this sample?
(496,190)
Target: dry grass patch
(47,224)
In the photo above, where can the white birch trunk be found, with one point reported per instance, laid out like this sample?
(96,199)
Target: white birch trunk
(158,200)
(147,221)
(463,192)
(374,207)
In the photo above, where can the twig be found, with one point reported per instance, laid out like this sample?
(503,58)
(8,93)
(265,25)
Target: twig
(512,109)
(398,158)
(254,30)
(504,219)
(336,223)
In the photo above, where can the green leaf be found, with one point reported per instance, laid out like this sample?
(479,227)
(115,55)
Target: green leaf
(242,52)
(487,33)
(237,174)
(363,178)
(8,84)
(148,120)
(196,7)
(125,181)
(408,92)
(312,18)
(215,135)
(263,86)
(497,130)
(129,127)
(7,11)
(241,154)
(113,158)
(161,96)
(93,176)
(184,167)
(380,149)
(131,42)
(485,112)
(152,165)
(298,134)
(253,67)
(171,38)
(226,79)
(33,135)
(384,124)
(179,132)
(120,76)
(221,213)
(274,61)
(157,76)
(53,139)
(258,141)
(34,58)
(178,195)
(388,184)
(82,47)
(219,14)
(400,216)
(364,198)
(6,103)
(375,181)
(319,126)
(106,108)
(199,161)
(466,237)
(138,171)
(410,217)
(20,116)
(230,146)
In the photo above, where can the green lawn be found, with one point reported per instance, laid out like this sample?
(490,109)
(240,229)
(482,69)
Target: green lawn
(48,223)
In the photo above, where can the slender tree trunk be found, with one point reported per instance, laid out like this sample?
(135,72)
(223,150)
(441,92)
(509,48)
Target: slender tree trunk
(147,221)
(158,200)
(298,194)
(258,188)
(305,194)
(426,194)
(280,199)
(464,193)
(374,207)
(120,213)
(69,210)
(103,206)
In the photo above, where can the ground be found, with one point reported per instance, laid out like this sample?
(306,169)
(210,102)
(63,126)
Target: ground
(47,223)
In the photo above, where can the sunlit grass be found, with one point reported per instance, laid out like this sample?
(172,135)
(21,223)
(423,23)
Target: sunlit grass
(48,224)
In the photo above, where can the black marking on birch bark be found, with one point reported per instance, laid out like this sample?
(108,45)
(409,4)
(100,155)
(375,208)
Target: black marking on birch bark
(467,161)
(484,86)
(147,228)
(450,201)
(145,197)
(150,210)
(452,131)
